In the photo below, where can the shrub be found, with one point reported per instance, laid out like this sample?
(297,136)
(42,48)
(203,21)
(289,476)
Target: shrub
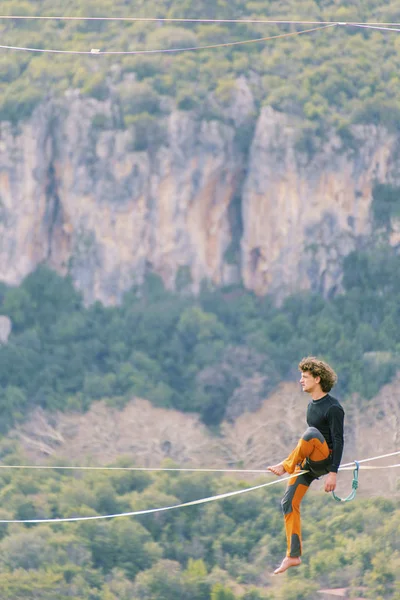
(148,132)
(138,97)
(19,101)
(168,37)
(96,87)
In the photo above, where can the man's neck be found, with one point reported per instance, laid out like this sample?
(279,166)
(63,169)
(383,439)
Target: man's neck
(318,395)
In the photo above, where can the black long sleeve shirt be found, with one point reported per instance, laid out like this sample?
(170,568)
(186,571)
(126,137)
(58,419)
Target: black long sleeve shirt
(327,415)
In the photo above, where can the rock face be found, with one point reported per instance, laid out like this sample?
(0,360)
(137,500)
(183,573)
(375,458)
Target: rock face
(80,198)
(91,199)
(5,329)
(302,212)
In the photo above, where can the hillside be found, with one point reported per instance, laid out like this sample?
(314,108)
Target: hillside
(219,354)
(224,550)
(262,164)
(345,75)
(146,436)
(177,230)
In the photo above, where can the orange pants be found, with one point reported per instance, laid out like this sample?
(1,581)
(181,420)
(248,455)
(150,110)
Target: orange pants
(313,447)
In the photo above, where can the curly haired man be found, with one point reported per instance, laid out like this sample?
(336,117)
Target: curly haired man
(319,451)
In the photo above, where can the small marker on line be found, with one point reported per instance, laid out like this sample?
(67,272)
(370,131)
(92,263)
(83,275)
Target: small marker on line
(95,50)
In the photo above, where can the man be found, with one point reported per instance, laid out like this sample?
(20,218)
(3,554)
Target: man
(319,451)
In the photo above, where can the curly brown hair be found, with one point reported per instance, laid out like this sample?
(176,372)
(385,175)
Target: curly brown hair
(319,368)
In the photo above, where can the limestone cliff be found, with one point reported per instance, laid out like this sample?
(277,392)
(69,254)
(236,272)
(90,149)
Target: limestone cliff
(303,211)
(87,196)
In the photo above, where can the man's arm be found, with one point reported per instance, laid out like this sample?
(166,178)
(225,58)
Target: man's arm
(336,425)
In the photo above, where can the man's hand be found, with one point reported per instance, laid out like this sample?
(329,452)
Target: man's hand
(330,482)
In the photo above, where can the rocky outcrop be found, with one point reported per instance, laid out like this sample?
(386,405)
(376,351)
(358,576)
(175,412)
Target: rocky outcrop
(107,203)
(79,197)
(304,209)
(5,329)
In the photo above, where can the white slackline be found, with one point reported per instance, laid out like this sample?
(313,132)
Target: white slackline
(146,469)
(363,460)
(182,505)
(378,27)
(188,20)
(368,468)
(97,51)
(154,510)
(177,469)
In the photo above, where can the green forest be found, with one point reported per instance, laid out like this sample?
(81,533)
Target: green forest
(331,78)
(62,355)
(192,353)
(224,550)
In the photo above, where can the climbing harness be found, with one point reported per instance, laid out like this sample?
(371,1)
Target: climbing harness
(354,486)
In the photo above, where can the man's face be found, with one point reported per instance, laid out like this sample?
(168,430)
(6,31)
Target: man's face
(308,382)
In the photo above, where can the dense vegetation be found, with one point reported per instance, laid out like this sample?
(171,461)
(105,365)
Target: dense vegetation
(194,354)
(224,550)
(189,353)
(338,76)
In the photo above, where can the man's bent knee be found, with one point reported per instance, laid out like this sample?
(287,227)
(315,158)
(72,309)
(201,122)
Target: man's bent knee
(313,433)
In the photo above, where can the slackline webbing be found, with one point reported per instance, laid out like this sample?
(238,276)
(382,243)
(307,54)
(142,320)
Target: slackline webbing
(343,467)
(175,506)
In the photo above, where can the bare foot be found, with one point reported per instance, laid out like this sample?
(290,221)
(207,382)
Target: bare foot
(288,561)
(277,469)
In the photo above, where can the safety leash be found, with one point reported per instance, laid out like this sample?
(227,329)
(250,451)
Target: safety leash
(354,486)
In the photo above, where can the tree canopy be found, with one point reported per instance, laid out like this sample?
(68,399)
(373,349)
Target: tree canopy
(335,77)
(223,550)
(194,353)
